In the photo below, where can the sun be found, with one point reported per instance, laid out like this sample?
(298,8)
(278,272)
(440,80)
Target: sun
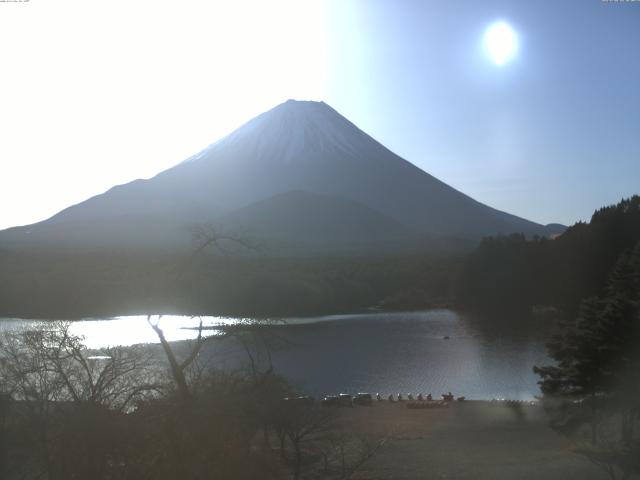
(500,42)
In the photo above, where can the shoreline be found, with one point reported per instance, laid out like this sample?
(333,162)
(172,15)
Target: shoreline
(470,440)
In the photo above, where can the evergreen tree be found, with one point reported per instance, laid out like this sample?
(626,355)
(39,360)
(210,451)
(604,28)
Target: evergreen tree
(514,273)
(596,378)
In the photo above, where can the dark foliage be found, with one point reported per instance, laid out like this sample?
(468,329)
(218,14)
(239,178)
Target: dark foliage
(516,273)
(77,285)
(67,414)
(597,352)
(596,378)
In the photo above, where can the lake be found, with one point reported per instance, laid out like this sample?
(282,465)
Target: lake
(373,352)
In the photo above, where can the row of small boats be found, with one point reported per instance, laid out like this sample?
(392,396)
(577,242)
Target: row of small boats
(365,399)
(446,397)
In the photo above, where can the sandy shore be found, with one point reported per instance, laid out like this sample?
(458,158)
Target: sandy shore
(468,440)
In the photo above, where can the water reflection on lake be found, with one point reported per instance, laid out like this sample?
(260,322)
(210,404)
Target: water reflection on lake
(128,330)
(374,352)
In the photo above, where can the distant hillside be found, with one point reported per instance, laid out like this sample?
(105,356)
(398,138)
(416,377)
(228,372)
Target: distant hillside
(75,285)
(316,223)
(296,146)
(512,272)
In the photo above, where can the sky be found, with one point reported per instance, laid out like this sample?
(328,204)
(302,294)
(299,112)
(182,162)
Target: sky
(95,94)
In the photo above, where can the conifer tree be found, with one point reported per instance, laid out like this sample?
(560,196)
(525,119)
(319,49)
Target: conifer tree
(596,378)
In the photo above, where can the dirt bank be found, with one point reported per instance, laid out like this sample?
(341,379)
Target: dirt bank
(469,440)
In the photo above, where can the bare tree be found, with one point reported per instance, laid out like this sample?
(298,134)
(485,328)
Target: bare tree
(69,400)
(52,364)
(204,236)
(179,368)
(343,453)
(300,422)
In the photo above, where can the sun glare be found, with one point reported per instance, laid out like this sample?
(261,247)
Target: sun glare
(199,70)
(500,43)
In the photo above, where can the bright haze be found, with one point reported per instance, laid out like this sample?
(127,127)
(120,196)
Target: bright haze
(299,177)
(538,118)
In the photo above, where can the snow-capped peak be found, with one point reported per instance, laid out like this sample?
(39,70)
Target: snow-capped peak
(291,128)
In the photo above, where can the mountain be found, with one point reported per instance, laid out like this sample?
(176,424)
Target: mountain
(352,188)
(315,223)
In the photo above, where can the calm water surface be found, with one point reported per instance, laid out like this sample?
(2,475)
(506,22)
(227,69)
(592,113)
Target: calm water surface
(373,352)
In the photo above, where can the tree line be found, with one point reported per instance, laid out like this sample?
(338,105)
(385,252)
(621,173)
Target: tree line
(161,412)
(592,391)
(513,273)
(76,285)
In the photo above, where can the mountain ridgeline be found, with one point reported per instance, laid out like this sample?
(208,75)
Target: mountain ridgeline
(300,178)
(507,273)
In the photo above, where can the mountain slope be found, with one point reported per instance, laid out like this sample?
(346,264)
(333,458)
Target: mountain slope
(317,223)
(304,146)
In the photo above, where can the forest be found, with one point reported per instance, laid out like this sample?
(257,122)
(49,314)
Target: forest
(503,275)
(75,285)
(513,273)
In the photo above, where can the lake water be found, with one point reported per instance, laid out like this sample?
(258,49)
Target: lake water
(372,352)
